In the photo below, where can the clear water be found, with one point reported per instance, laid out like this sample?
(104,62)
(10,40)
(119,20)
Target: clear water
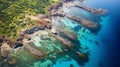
(105,37)
(98,44)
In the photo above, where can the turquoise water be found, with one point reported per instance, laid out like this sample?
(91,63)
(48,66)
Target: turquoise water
(97,44)
(98,52)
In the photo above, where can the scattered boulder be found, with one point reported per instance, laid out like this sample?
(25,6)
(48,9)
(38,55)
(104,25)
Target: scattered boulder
(96,42)
(71,65)
(80,54)
(53,30)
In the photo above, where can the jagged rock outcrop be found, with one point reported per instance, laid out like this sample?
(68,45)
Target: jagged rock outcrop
(95,11)
(84,22)
(62,40)
(5,49)
(71,36)
(53,30)
(44,23)
(31,49)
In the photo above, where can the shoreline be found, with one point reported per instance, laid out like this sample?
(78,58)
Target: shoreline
(52,34)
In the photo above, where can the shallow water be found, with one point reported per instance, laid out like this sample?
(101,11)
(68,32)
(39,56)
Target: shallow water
(105,37)
(94,44)
(88,40)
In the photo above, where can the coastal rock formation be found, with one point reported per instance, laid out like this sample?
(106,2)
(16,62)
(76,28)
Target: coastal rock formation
(84,22)
(95,11)
(80,54)
(10,42)
(32,50)
(44,23)
(53,30)
(5,50)
(64,41)
(71,36)
(59,11)
(48,38)
(49,22)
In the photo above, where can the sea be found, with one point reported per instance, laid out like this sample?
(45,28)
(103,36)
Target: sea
(103,44)
(106,54)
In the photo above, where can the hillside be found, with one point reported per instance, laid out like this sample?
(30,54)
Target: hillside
(12,14)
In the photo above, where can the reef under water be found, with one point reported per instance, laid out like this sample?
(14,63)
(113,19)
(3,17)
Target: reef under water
(59,38)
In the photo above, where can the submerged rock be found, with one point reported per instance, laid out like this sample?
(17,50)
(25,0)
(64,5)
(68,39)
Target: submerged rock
(96,42)
(47,34)
(70,35)
(71,65)
(80,54)
(64,41)
(33,51)
(12,61)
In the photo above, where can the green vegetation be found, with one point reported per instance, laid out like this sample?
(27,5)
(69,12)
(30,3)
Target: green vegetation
(12,14)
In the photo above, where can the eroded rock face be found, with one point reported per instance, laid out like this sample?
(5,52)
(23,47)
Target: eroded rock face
(5,49)
(10,42)
(44,23)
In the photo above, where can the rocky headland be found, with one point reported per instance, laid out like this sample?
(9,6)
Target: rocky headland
(41,39)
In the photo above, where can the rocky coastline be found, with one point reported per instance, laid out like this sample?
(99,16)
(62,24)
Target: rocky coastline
(46,23)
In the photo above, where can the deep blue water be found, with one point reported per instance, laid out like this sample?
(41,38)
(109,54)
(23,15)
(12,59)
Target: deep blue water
(111,49)
(107,55)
